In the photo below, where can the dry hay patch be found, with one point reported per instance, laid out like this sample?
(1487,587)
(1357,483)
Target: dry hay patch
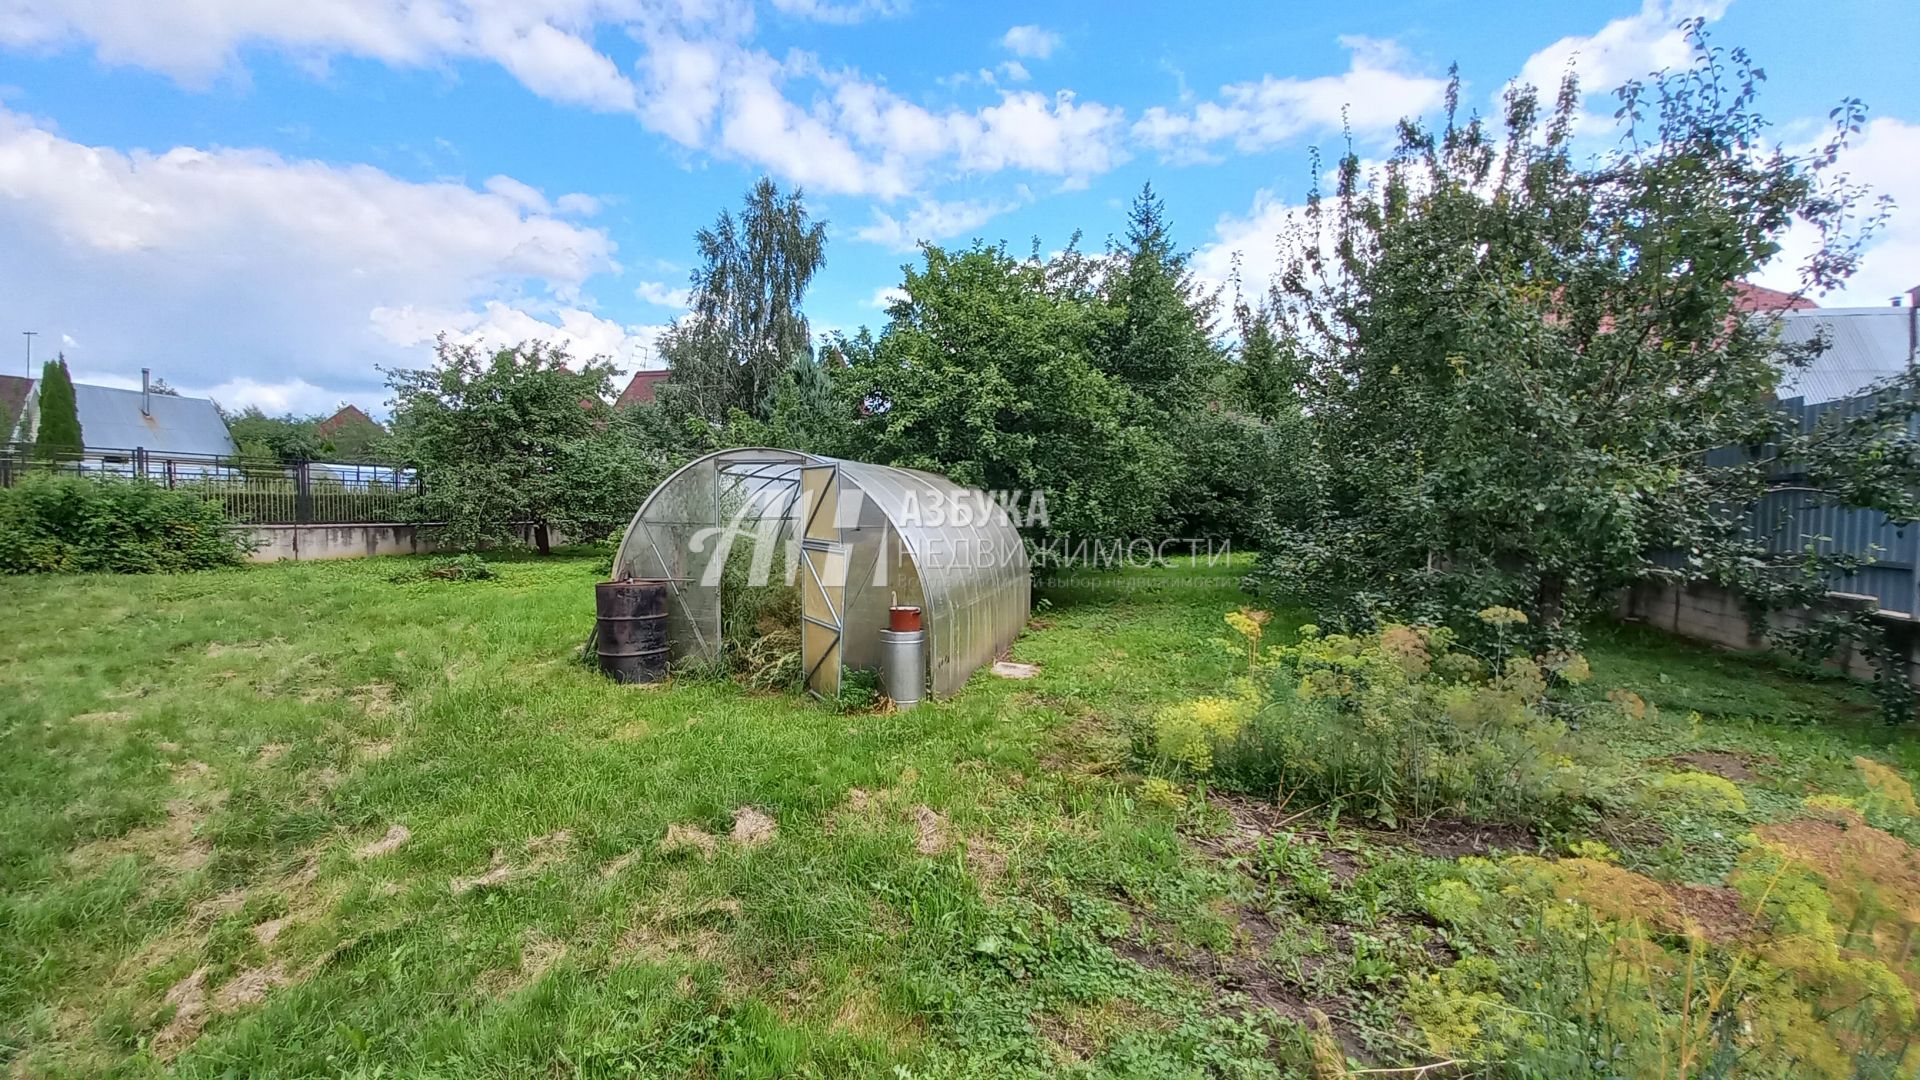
(538,954)
(105,719)
(542,852)
(931,833)
(376,699)
(250,987)
(173,844)
(751,828)
(193,1007)
(617,865)
(396,836)
(693,838)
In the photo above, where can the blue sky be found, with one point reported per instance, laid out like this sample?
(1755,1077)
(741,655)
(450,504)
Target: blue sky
(267,200)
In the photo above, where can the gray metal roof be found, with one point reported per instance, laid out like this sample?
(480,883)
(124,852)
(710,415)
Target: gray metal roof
(111,419)
(1866,346)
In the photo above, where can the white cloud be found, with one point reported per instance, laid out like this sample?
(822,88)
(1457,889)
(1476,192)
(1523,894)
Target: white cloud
(577,204)
(699,80)
(664,295)
(1376,91)
(845,12)
(1626,48)
(525,196)
(292,396)
(498,324)
(930,220)
(1252,240)
(546,44)
(881,298)
(1030,42)
(1881,157)
(216,265)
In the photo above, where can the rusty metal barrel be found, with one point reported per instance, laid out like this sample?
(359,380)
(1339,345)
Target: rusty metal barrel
(632,630)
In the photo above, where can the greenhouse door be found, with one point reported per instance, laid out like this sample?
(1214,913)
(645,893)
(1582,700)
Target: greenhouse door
(823,578)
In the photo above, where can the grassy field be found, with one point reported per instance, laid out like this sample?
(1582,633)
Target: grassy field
(304,820)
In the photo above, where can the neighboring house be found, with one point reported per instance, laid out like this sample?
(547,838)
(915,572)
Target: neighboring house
(1760,298)
(642,389)
(349,417)
(1863,346)
(13,399)
(114,423)
(350,434)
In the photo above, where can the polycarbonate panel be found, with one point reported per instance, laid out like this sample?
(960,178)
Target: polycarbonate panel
(909,537)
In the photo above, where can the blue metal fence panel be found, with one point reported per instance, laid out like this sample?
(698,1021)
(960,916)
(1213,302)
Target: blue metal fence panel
(1793,521)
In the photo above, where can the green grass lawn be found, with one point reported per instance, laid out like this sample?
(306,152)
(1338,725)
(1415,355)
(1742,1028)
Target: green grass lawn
(303,820)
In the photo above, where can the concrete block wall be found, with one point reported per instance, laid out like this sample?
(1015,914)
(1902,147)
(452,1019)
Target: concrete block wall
(302,543)
(1717,616)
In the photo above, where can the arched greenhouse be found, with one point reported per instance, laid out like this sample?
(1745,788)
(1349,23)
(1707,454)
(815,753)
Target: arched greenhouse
(856,539)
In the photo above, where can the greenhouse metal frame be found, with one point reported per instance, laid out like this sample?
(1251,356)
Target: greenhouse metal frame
(855,538)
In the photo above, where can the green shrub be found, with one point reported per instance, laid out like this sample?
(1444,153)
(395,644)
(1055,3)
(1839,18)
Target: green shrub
(75,524)
(1389,726)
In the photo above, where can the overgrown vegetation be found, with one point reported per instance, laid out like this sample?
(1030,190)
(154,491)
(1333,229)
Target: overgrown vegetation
(1517,363)
(518,438)
(75,524)
(261,823)
(1390,726)
(290,439)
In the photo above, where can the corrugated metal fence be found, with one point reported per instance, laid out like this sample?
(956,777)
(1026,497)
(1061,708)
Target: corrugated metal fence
(1793,522)
(252,491)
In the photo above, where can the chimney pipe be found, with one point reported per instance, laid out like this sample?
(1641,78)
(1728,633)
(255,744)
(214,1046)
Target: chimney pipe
(1913,326)
(146,391)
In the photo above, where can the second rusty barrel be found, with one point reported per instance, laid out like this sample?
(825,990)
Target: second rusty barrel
(632,630)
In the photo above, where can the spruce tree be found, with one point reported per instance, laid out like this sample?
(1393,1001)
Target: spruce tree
(57,437)
(1161,342)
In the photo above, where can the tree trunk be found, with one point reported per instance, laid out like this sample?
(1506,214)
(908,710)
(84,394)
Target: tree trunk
(543,538)
(1550,602)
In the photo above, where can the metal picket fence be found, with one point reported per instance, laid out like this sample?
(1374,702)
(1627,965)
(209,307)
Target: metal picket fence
(253,491)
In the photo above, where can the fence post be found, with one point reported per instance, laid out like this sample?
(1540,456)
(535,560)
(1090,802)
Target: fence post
(140,462)
(302,493)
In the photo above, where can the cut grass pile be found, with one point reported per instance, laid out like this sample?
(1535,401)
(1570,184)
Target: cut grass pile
(305,820)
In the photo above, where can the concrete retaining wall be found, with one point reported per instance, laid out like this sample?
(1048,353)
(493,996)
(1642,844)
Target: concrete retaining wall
(1717,616)
(301,543)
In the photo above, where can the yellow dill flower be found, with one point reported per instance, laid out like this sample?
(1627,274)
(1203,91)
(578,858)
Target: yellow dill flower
(1890,788)
(1503,616)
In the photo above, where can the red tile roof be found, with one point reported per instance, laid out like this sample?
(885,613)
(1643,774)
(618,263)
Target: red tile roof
(1760,298)
(642,388)
(348,414)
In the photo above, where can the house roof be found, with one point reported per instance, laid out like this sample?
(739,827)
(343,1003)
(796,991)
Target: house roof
(348,414)
(642,388)
(13,394)
(1751,297)
(111,419)
(1865,345)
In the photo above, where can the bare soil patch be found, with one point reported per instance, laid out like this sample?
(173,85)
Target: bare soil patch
(1721,763)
